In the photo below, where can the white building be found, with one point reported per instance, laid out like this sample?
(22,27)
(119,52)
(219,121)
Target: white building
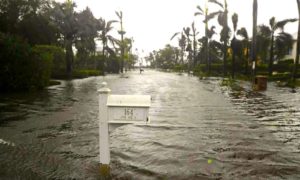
(292,52)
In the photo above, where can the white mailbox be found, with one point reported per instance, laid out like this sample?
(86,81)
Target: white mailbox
(115,111)
(128,109)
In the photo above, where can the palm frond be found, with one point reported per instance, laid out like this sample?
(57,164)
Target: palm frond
(174,35)
(243,33)
(272,22)
(119,14)
(212,15)
(198,14)
(200,9)
(282,23)
(234,19)
(109,23)
(216,2)
(187,31)
(110,51)
(211,32)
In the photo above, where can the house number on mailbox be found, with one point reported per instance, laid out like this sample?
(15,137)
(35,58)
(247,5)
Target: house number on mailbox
(128,113)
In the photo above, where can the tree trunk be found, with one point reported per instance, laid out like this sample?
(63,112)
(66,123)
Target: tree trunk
(225,50)
(122,52)
(69,57)
(233,58)
(254,32)
(206,43)
(298,47)
(194,51)
(103,50)
(271,55)
(247,58)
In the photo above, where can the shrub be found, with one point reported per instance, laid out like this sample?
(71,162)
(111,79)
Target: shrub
(59,59)
(42,62)
(22,67)
(179,68)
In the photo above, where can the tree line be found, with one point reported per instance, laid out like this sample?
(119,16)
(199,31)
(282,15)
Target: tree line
(235,51)
(67,37)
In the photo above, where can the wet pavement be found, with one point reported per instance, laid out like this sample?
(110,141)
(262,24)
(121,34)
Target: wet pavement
(199,130)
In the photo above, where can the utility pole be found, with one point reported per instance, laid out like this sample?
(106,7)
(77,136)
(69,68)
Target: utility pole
(254,32)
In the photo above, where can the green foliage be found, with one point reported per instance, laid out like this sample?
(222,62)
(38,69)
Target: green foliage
(231,83)
(216,69)
(179,68)
(59,61)
(42,65)
(22,67)
(113,64)
(167,57)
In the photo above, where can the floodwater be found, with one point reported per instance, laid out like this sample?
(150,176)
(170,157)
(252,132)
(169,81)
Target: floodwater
(199,130)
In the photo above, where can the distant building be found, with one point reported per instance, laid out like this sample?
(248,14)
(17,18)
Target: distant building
(292,52)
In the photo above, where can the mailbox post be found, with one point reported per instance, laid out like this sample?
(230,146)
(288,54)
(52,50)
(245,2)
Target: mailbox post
(103,131)
(116,111)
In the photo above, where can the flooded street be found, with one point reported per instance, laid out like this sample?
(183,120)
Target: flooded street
(198,130)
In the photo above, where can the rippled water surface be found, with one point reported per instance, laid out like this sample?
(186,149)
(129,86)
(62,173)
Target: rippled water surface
(199,130)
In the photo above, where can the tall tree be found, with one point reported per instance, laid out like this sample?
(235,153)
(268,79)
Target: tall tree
(244,34)
(182,44)
(87,32)
(225,32)
(234,19)
(105,36)
(195,33)
(298,46)
(65,19)
(189,46)
(121,32)
(263,41)
(207,17)
(274,27)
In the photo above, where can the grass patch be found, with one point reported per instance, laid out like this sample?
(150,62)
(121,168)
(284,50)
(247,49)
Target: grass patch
(84,73)
(229,82)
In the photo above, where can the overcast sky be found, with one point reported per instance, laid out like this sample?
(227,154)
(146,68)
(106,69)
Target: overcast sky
(151,23)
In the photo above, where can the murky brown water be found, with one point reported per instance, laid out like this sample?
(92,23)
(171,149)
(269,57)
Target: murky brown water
(199,131)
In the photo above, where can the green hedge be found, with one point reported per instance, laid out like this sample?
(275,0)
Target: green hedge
(22,67)
(59,59)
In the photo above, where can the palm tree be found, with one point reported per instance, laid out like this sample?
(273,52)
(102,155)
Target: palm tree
(121,32)
(207,17)
(254,32)
(181,43)
(87,32)
(234,19)
(184,42)
(210,33)
(223,21)
(189,46)
(195,33)
(274,27)
(298,46)
(64,18)
(104,36)
(244,34)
